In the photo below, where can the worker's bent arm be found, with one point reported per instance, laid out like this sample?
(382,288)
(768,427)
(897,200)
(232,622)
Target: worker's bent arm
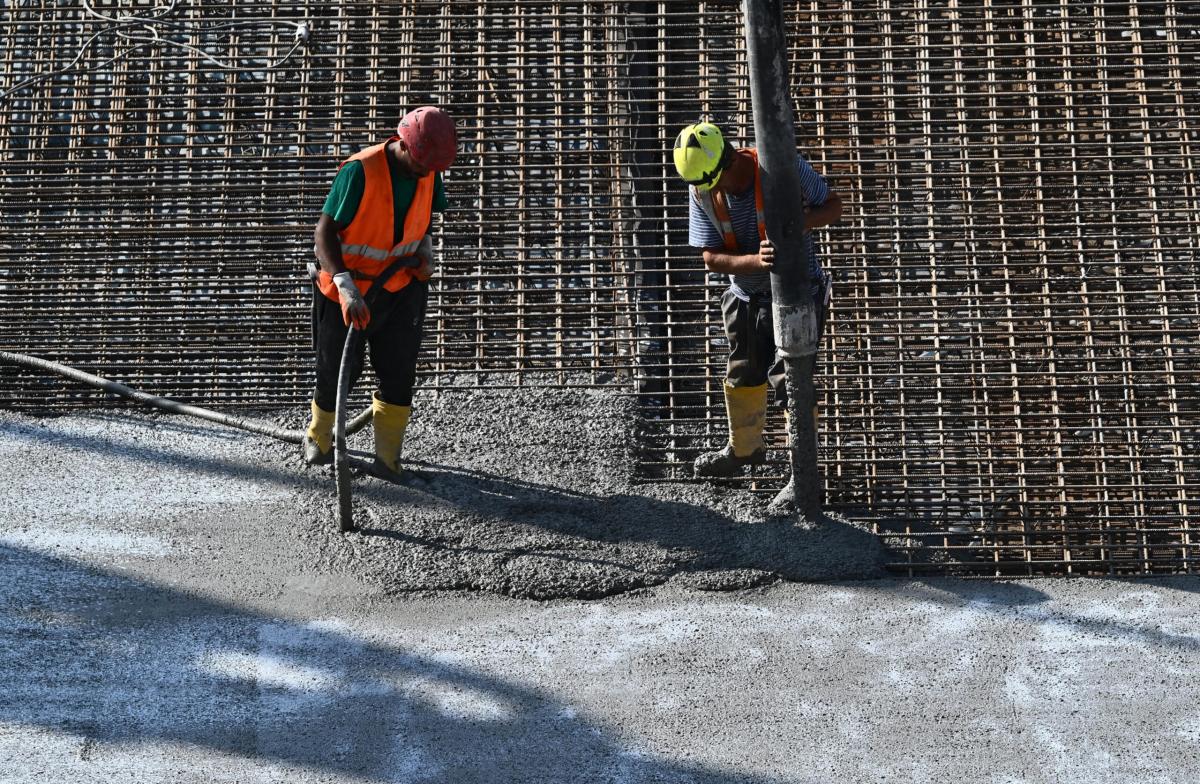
(827,214)
(734,263)
(328,246)
(725,263)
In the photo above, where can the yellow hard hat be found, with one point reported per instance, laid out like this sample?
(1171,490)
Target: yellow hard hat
(701,154)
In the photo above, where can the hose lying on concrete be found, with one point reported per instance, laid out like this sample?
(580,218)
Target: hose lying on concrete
(175,407)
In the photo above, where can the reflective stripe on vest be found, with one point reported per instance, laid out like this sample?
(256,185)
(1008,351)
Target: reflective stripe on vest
(714,206)
(367,248)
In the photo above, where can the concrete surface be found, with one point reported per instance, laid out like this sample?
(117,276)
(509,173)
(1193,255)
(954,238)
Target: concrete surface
(175,606)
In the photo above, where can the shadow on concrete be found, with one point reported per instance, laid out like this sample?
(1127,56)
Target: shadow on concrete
(686,536)
(676,536)
(1184,583)
(168,456)
(112,660)
(1029,604)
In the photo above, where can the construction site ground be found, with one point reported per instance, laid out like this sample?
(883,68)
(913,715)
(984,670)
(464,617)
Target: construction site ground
(176,604)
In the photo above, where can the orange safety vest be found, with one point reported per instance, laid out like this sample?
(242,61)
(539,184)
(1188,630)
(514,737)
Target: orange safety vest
(367,248)
(714,206)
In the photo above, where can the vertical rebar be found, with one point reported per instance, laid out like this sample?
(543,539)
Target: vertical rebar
(1017,349)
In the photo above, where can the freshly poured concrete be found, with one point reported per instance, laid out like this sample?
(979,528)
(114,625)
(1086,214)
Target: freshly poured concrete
(175,605)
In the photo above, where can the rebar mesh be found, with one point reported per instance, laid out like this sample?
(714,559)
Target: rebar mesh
(1010,373)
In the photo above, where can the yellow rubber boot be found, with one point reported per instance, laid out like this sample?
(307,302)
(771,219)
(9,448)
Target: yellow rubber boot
(389,422)
(746,410)
(318,438)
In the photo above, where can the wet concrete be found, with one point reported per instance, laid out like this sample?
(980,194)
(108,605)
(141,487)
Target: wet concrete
(528,493)
(176,606)
(532,493)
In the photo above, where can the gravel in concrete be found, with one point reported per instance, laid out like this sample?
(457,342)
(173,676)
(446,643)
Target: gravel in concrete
(532,493)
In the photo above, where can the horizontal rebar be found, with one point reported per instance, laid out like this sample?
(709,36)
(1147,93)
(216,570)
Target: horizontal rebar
(1016,322)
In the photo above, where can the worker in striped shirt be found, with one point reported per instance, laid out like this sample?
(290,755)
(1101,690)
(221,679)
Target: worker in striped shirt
(725,223)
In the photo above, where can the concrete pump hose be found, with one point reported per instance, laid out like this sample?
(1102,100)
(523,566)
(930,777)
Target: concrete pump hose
(175,407)
(341,454)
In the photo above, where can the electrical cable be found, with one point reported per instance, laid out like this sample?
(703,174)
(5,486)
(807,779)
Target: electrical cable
(156,38)
(79,56)
(152,25)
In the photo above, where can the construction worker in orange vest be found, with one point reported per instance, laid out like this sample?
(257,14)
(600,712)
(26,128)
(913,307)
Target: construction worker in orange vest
(373,227)
(725,222)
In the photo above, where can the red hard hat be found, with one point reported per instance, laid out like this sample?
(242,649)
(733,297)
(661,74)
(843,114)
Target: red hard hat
(429,134)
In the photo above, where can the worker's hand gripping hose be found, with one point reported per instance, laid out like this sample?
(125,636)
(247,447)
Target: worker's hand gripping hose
(341,455)
(354,308)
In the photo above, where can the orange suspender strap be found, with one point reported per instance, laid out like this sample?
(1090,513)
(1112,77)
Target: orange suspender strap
(714,206)
(725,224)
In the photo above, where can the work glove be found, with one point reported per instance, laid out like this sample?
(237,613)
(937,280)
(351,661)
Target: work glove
(354,307)
(425,254)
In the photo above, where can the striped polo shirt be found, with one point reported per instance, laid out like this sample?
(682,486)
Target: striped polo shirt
(703,234)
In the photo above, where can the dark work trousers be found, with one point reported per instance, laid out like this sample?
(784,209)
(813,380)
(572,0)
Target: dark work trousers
(394,337)
(751,332)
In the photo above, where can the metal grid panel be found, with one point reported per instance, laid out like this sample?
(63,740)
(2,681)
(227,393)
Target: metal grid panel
(161,207)
(1030,302)
(1010,376)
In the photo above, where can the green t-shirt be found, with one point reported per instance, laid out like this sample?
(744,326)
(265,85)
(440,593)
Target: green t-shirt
(342,202)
